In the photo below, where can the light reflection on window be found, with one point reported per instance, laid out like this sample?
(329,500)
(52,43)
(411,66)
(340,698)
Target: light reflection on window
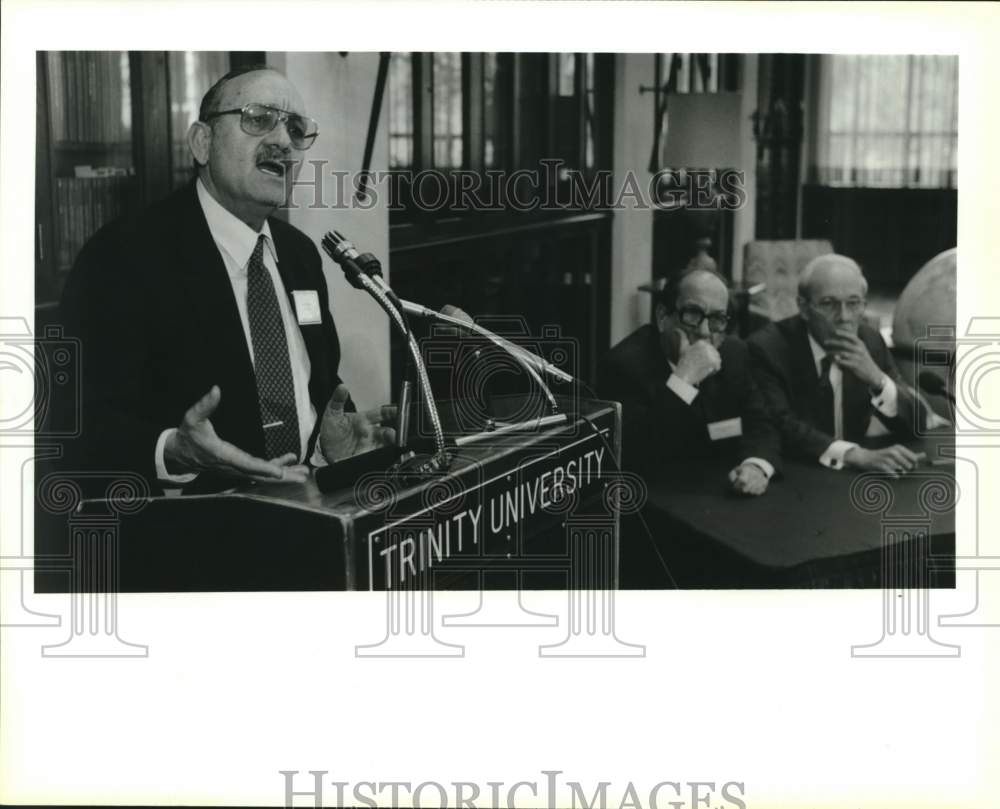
(125,94)
(888,121)
(588,100)
(489,109)
(447,110)
(567,74)
(400,111)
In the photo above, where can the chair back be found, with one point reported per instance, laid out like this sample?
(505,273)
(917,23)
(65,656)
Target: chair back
(777,264)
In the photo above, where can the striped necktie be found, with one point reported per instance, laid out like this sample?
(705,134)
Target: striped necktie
(272,367)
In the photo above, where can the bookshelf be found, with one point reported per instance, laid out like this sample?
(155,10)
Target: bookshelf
(110,138)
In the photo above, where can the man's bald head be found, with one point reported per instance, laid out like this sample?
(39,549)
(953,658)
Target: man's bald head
(211,101)
(831,268)
(832,292)
(691,303)
(684,283)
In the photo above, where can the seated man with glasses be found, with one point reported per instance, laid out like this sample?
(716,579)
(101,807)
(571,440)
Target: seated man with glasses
(686,389)
(828,377)
(208,346)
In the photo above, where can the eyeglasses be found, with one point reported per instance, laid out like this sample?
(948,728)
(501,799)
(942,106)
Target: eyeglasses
(831,306)
(692,316)
(259,119)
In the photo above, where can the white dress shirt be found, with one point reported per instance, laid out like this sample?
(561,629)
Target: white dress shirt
(236,242)
(885,401)
(687,394)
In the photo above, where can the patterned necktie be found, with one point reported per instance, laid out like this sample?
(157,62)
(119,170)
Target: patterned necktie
(833,395)
(272,367)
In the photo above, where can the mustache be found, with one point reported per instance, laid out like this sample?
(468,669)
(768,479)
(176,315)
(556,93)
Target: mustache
(272,151)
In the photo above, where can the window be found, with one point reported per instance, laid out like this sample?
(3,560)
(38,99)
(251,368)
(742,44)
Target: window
(447,101)
(491,110)
(486,106)
(692,72)
(400,111)
(887,121)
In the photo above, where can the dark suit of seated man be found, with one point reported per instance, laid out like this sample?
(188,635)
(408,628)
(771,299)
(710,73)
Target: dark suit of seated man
(686,389)
(829,378)
(208,347)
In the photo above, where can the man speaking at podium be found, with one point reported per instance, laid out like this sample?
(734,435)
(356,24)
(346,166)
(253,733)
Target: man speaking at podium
(208,347)
(686,390)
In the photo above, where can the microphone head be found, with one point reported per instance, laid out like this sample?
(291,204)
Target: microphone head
(339,249)
(458,314)
(932,383)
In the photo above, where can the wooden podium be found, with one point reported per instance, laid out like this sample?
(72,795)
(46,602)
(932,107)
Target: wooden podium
(513,511)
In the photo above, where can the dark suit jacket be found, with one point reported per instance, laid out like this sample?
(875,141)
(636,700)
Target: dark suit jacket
(659,430)
(783,366)
(152,304)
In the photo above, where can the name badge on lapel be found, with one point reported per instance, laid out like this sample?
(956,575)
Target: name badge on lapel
(729,428)
(307,307)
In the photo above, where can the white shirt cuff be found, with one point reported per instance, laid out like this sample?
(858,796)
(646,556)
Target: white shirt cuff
(685,390)
(317,460)
(887,400)
(161,465)
(833,458)
(763,465)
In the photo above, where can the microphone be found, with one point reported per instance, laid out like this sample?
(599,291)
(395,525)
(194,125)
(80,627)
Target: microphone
(355,264)
(344,253)
(360,269)
(456,317)
(934,385)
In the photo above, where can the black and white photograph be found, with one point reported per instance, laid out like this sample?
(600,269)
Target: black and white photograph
(578,381)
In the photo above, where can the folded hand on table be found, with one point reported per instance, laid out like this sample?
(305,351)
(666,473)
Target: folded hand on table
(748,478)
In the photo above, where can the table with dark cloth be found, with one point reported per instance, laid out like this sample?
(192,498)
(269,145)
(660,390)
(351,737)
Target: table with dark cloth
(814,527)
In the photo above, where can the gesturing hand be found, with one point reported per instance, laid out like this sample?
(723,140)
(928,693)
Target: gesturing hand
(195,447)
(748,478)
(345,434)
(894,461)
(849,351)
(696,361)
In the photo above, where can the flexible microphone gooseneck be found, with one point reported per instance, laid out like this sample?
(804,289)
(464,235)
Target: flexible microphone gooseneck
(540,364)
(355,265)
(345,254)
(531,363)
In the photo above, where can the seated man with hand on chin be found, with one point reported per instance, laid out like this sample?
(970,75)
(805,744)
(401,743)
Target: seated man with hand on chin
(686,389)
(829,378)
